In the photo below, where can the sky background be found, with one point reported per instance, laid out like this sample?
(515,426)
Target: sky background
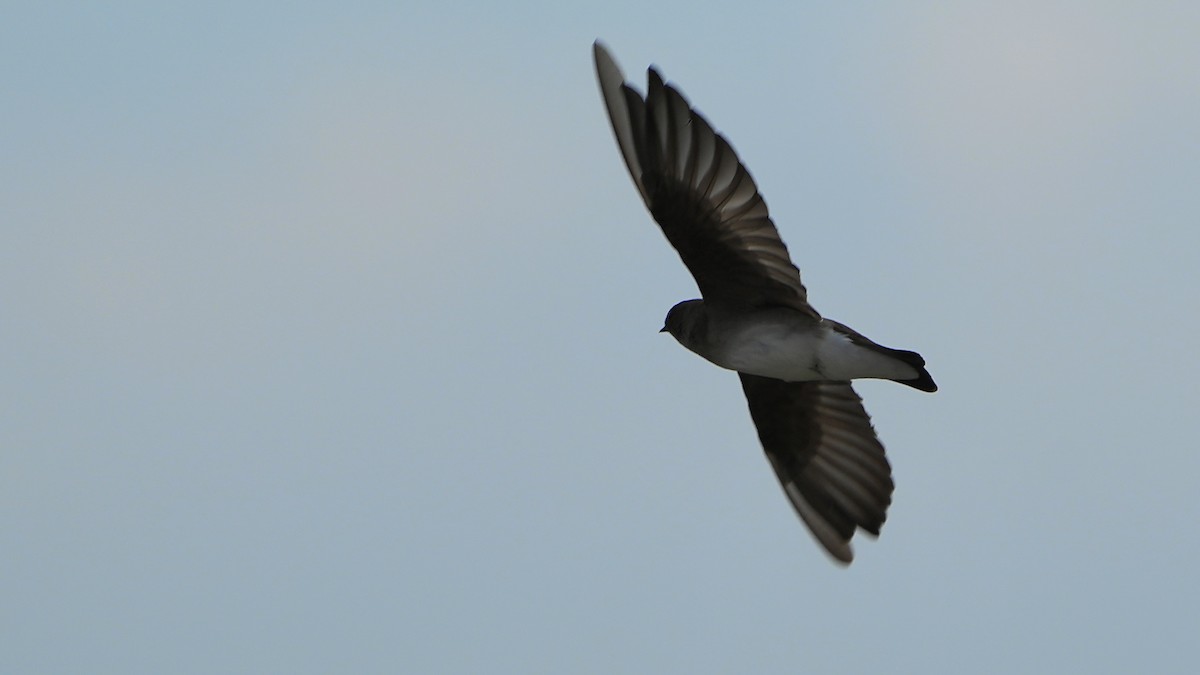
(329,339)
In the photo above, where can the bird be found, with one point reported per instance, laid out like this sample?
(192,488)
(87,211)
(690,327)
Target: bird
(754,317)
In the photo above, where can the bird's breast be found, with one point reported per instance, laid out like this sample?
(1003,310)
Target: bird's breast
(771,350)
(800,353)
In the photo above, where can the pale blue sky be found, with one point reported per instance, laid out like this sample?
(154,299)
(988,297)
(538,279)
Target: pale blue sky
(329,340)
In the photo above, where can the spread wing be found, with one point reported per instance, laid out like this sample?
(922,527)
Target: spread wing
(700,194)
(823,448)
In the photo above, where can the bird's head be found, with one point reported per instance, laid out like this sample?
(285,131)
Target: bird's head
(685,321)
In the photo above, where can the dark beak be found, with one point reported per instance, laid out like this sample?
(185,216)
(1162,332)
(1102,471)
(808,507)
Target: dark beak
(663,329)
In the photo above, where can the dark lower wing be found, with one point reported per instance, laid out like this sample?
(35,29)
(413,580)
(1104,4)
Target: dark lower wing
(826,454)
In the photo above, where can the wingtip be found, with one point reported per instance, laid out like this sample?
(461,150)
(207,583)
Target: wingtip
(834,544)
(842,554)
(607,72)
(604,59)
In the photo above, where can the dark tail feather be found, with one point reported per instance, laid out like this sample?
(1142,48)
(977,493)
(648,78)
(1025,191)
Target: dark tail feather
(923,381)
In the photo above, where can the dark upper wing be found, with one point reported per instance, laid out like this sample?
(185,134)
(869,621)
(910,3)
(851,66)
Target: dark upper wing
(825,452)
(700,194)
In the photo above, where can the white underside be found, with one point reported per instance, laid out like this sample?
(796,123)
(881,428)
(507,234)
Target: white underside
(783,353)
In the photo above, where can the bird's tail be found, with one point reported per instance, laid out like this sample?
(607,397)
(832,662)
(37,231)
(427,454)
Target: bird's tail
(923,380)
